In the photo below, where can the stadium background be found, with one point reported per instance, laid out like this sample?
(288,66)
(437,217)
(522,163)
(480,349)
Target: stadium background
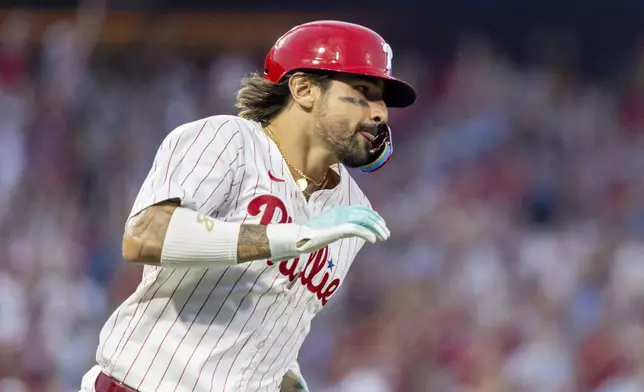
(515,197)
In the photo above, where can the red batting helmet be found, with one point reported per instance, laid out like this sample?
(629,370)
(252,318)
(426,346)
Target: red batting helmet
(340,47)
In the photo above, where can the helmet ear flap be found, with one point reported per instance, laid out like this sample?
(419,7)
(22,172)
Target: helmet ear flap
(382,152)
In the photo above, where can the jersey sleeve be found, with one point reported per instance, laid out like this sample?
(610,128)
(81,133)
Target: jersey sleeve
(196,164)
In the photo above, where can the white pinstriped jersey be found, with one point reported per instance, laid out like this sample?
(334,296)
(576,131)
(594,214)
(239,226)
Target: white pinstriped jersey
(236,328)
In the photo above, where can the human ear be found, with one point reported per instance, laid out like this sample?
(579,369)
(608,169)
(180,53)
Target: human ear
(303,90)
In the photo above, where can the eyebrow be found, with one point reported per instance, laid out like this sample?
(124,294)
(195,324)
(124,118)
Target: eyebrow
(373,84)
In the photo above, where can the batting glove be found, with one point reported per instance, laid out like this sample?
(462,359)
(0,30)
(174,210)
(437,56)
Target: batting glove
(293,382)
(288,240)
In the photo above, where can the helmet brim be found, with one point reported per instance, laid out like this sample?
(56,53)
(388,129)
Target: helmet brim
(397,93)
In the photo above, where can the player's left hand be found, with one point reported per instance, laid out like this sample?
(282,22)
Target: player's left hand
(288,240)
(292,382)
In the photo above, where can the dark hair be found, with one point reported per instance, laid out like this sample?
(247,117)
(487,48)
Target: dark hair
(261,100)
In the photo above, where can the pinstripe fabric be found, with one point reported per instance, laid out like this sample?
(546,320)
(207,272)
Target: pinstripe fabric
(235,328)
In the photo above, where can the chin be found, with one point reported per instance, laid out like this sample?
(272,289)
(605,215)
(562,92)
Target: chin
(354,153)
(356,160)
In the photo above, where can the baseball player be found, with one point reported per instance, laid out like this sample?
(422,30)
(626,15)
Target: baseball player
(247,225)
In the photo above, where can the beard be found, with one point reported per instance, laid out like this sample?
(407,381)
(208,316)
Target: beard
(349,146)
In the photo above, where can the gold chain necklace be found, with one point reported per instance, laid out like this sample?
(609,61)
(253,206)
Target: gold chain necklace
(303,181)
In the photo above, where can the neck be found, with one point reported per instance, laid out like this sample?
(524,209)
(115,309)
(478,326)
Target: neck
(301,146)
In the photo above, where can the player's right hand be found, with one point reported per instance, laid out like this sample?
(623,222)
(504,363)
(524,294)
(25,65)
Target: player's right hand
(293,239)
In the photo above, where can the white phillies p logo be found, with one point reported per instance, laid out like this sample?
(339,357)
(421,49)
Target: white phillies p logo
(390,55)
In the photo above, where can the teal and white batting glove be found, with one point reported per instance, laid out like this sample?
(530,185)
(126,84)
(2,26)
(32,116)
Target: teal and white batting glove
(288,240)
(293,382)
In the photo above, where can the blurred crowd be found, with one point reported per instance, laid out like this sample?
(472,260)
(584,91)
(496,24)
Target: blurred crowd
(515,198)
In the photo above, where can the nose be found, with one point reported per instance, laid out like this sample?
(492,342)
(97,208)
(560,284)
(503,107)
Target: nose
(379,112)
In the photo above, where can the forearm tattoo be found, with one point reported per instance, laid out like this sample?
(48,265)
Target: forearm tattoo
(145,234)
(147,231)
(253,243)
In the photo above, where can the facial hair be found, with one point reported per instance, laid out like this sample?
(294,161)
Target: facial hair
(346,142)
